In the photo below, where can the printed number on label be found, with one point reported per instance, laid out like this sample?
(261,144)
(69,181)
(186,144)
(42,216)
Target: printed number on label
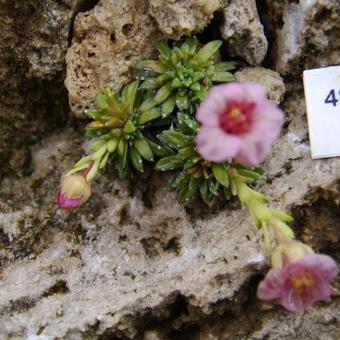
(331,99)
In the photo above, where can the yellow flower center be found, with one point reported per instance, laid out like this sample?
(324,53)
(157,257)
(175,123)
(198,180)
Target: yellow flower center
(303,282)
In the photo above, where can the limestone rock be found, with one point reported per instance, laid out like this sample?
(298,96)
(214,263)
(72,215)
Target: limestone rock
(118,262)
(271,80)
(310,36)
(243,31)
(33,100)
(108,42)
(178,18)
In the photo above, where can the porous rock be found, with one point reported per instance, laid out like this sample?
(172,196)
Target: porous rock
(243,31)
(108,42)
(178,18)
(119,263)
(33,100)
(269,79)
(309,37)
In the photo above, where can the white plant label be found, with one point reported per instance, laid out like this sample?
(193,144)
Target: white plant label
(322,93)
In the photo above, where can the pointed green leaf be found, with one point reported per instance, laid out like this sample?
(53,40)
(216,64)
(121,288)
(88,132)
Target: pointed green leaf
(114,104)
(220,174)
(149,115)
(182,102)
(144,149)
(149,84)
(148,104)
(112,144)
(173,138)
(207,51)
(163,93)
(129,96)
(97,144)
(159,150)
(169,163)
(222,77)
(191,162)
(136,159)
(122,146)
(225,66)
(129,127)
(163,48)
(103,162)
(151,65)
(168,106)
(101,100)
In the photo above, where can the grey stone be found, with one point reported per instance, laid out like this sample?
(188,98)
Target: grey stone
(310,36)
(269,79)
(243,31)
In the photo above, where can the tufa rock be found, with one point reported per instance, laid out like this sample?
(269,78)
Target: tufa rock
(243,31)
(108,42)
(33,100)
(178,18)
(309,37)
(271,80)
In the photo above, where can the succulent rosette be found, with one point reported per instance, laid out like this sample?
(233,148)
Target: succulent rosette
(182,75)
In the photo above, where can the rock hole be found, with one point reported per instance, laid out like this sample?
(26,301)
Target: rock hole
(127,29)
(113,37)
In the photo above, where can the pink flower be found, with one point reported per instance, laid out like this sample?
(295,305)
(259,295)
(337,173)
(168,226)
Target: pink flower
(238,122)
(74,191)
(298,285)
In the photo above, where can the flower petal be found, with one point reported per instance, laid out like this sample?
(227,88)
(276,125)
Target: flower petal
(270,287)
(215,145)
(65,202)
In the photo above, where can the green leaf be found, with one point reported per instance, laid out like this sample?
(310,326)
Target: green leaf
(168,106)
(97,144)
(149,84)
(163,93)
(148,104)
(163,48)
(114,104)
(129,96)
(103,162)
(123,153)
(170,163)
(220,174)
(136,159)
(222,77)
(207,51)
(187,151)
(254,175)
(225,66)
(173,138)
(149,115)
(129,127)
(144,149)
(112,144)
(151,65)
(190,45)
(101,100)
(182,101)
(159,150)
(93,114)
(186,123)
(191,162)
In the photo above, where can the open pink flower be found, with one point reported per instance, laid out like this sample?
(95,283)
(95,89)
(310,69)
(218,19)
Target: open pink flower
(298,285)
(74,191)
(238,122)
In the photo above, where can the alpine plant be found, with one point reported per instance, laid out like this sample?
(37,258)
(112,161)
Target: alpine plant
(182,75)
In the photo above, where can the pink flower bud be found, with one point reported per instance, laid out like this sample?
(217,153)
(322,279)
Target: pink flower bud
(74,191)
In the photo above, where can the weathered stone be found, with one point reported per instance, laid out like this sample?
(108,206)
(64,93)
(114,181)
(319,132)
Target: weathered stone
(271,80)
(243,31)
(178,18)
(33,100)
(108,42)
(310,36)
(117,264)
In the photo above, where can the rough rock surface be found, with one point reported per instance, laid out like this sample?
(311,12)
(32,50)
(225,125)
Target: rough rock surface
(108,42)
(309,37)
(131,262)
(119,262)
(271,80)
(178,18)
(33,100)
(243,31)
